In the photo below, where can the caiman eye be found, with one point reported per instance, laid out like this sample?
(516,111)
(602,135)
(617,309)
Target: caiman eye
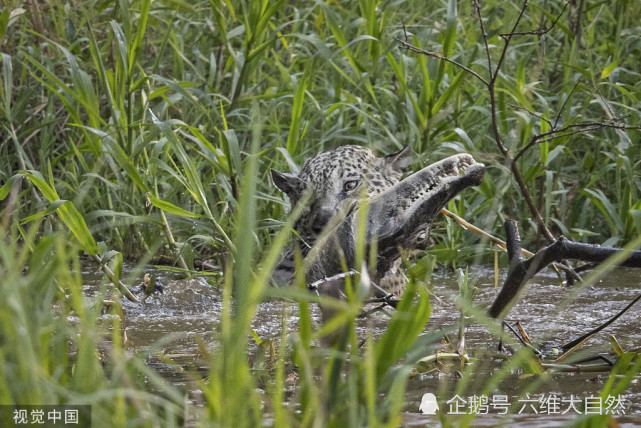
(350,185)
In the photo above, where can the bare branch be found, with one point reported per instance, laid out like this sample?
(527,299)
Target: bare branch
(386,299)
(521,271)
(314,286)
(495,127)
(508,38)
(537,139)
(558,115)
(500,243)
(540,31)
(438,55)
(528,198)
(594,331)
(523,342)
(535,114)
(479,14)
(607,105)
(112,277)
(563,132)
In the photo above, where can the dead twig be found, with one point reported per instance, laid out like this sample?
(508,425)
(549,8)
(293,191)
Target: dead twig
(571,129)
(540,31)
(386,299)
(521,270)
(490,84)
(509,161)
(498,242)
(535,114)
(594,331)
(565,103)
(412,48)
(112,277)
(469,226)
(521,339)
(577,368)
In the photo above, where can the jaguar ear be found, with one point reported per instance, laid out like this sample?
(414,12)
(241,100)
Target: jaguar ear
(287,183)
(400,160)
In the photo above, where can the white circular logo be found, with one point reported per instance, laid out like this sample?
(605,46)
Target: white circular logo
(428,406)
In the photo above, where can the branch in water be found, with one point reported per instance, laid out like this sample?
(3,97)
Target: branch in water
(521,271)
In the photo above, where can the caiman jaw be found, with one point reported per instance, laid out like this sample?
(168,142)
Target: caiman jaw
(449,168)
(402,211)
(394,217)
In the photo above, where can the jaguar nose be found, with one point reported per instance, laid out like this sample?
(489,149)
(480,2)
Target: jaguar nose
(321,219)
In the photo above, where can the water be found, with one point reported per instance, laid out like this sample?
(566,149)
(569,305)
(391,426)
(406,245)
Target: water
(185,317)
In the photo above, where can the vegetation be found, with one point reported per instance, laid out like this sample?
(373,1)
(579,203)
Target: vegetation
(123,122)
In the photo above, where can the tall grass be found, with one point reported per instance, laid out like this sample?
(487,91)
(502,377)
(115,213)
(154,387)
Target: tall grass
(88,99)
(126,121)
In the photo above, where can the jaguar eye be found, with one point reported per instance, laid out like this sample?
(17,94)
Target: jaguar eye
(350,185)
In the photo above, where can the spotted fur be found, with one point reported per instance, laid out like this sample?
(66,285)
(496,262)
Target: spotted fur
(335,180)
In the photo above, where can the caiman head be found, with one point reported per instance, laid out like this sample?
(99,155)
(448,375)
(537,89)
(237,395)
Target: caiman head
(396,216)
(397,210)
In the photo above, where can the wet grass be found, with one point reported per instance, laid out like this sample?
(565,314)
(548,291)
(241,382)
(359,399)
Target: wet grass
(146,129)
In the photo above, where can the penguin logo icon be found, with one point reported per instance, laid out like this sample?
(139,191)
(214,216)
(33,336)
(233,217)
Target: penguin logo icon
(428,406)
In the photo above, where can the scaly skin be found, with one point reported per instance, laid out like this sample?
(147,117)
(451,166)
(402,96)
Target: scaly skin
(399,213)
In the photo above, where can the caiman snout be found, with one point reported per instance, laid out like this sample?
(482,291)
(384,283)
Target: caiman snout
(397,217)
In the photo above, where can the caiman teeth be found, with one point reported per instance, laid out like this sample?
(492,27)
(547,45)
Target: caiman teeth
(455,170)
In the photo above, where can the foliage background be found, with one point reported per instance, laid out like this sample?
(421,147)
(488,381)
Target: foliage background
(86,86)
(144,115)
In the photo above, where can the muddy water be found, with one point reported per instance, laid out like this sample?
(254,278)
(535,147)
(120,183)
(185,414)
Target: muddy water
(184,318)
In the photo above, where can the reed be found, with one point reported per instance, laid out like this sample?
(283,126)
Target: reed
(128,125)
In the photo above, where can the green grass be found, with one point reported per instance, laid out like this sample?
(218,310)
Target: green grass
(129,125)
(123,100)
